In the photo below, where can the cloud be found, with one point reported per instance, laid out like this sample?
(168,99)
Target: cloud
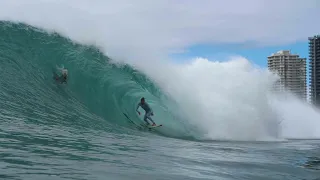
(169,26)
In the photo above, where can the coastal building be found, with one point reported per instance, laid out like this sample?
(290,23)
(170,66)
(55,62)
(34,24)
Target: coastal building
(291,70)
(314,65)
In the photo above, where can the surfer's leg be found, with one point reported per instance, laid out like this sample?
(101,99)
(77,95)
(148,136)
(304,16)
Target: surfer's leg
(149,117)
(145,119)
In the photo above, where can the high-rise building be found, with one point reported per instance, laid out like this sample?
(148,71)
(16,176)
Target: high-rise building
(292,72)
(314,65)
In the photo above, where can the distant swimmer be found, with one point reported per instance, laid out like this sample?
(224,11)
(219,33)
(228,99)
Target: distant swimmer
(64,75)
(148,111)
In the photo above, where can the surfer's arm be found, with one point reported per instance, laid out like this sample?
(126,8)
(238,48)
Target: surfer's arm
(60,69)
(137,107)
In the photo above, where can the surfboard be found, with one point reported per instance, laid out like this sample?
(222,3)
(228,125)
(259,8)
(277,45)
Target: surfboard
(150,127)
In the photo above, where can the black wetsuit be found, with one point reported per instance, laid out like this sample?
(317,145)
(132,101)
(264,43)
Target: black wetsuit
(62,78)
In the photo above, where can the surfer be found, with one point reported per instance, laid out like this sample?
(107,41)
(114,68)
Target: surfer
(148,111)
(64,75)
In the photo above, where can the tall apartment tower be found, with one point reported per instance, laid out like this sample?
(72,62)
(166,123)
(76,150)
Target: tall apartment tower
(314,65)
(292,72)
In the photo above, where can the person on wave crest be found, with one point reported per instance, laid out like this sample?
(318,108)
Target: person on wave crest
(64,75)
(148,111)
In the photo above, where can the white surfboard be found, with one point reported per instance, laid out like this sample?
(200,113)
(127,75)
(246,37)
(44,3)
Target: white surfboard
(154,126)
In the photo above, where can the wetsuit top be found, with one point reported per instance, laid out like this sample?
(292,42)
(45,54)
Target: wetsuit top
(144,106)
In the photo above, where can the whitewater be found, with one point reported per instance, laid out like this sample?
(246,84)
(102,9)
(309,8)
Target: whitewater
(220,118)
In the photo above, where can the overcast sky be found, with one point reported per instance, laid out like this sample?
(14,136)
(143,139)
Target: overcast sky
(169,26)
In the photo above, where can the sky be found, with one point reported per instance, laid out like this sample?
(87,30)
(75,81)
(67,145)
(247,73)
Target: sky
(214,29)
(168,26)
(256,55)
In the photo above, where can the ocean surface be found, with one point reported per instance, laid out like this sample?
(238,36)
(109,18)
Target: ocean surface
(88,128)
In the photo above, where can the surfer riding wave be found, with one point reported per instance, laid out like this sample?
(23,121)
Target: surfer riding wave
(148,111)
(64,75)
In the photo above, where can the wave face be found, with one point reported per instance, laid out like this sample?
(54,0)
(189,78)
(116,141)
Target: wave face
(99,93)
(197,100)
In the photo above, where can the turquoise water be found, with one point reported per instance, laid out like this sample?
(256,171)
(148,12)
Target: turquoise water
(88,129)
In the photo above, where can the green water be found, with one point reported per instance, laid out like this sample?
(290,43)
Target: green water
(88,128)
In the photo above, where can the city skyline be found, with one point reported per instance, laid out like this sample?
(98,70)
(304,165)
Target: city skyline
(291,68)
